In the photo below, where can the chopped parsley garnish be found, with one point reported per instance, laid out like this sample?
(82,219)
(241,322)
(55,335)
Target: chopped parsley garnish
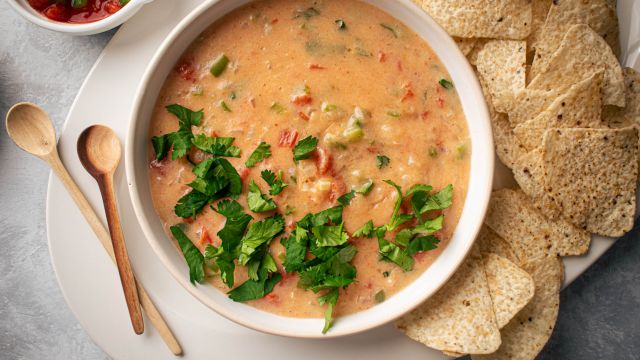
(379,296)
(365,188)
(181,139)
(433,151)
(304,148)
(262,152)
(275,182)
(341,24)
(218,146)
(382,161)
(259,233)
(445,83)
(345,199)
(394,113)
(192,255)
(224,106)
(257,201)
(278,108)
(365,231)
(307,13)
(386,274)
(219,65)
(394,30)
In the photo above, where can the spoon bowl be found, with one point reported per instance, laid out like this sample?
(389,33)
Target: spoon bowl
(99,150)
(31,129)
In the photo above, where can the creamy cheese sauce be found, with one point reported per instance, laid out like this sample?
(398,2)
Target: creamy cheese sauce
(318,75)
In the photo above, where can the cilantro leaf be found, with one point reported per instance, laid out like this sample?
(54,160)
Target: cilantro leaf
(331,215)
(392,252)
(225,262)
(296,249)
(235,182)
(235,226)
(345,199)
(396,218)
(331,299)
(212,183)
(190,204)
(382,161)
(218,146)
(445,83)
(255,289)
(181,142)
(186,117)
(304,148)
(161,146)
(262,152)
(430,226)
(365,188)
(258,202)
(439,201)
(365,231)
(260,232)
(403,237)
(193,256)
(275,182)
(418,188)
(422,243)
(329,235)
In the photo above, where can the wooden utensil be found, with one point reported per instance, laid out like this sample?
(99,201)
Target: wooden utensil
(99,152)
(31,129)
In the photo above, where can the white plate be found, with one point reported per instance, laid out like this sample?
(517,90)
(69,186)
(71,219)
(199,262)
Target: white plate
(89,280)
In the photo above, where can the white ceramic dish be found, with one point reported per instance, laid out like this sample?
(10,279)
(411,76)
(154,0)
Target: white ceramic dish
(24,9)
(479,188)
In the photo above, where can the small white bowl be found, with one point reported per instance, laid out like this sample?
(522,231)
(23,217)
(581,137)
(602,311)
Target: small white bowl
(479,189)
(108,23)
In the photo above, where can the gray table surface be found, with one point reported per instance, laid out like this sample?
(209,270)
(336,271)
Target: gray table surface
(599,313)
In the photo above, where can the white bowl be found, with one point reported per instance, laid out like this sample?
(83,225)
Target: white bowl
(479,189)
(108,23)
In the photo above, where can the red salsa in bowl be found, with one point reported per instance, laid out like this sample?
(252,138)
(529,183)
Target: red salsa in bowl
(77,11)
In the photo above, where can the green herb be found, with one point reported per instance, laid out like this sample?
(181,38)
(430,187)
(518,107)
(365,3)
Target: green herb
(365,231)
(259,233)
(363,52)
(307,14)
(433,151)
(393,253)
(232,95)
(278,108)
(461,151)
(341,24)
(275,182)
(295,249)
(379,296)
(422,243)
(224,106)
(430,226)
(262,152)
(181,139)
(161,146)
(394,30)
(365,188)
(256,289)
(327,235)
(191,203)
(124,2)
(439,201)
(345,199)
(257,201)
(445,83)
(219,65)
(393,113)
(304,148)
(78,4)
(382,161)
(385,274)
(288,209)
(193,256)
(218,146)
(331,299)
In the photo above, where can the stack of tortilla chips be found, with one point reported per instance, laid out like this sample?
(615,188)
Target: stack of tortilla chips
(565,117)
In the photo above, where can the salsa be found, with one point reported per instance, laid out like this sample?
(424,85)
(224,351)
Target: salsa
(309,158)
(77,11)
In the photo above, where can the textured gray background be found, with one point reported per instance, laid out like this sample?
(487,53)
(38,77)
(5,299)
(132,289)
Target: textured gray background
(599,315)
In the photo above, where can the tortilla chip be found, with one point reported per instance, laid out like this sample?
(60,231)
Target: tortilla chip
(539,11)
(617,117)
(532,236)
(590,176)
(473,55)
(581,53)
(563,14)
(510,287)
(501,64)
(466,45)
(529,174)
(497,19)
(580,107)
(459,318)
(490,242)
(527,333)
(507,146)
(529,103)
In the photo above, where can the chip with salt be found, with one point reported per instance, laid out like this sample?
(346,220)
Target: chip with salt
(527,333)
(590,176)
(510,287)
(497,19)
(466,45)
(459,318)
(529,103)
(563,14)
(501,65)
(629,115)
(579,107)
(531,235)
(581,53)
(539,11)
(490,242)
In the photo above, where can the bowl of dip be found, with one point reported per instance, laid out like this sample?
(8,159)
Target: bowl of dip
(310,168)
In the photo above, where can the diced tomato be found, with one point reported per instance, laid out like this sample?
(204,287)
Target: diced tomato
(440,102)
(288,138)
(316,67)
(39,4)
(303,99)
(419,256)
(382,57)
(323,160)
(425,115)
(372,149)
(303,116)
(204,236)
(274,21)
(57,12)
(338,188)
(112,6)
(188,220)
(243,172)
(408,93)
(186,70)
(273,298)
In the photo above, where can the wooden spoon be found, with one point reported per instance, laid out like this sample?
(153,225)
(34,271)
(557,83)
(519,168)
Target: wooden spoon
(31,129)
(99,152)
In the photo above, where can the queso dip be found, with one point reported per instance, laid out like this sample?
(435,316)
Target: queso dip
(290,154)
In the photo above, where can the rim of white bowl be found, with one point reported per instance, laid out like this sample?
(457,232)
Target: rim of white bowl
(23,8)
(471,219)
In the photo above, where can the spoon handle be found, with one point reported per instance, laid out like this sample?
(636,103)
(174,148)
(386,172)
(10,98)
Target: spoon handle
(103,236)
(120,251)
